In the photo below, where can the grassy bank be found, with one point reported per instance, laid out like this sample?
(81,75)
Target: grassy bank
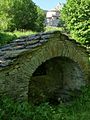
(7,37)
(79,109)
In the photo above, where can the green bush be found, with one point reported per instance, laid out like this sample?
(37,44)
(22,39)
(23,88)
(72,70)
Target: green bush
(6,38)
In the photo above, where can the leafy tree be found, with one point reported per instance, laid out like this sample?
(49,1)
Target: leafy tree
(76,14)
(20,15)
(4,16)
(40,20)
(24,14)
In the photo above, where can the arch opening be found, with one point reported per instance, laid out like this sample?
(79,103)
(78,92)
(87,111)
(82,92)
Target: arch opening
(54,80)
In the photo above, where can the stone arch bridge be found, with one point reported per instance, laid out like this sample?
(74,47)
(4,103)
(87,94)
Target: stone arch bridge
(42,66)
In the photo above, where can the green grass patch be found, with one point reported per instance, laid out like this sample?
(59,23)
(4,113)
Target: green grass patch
(24,33)
(7,37)
(50,28)
(79,109)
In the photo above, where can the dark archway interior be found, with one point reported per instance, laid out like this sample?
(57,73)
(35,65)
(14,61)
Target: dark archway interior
(54,80)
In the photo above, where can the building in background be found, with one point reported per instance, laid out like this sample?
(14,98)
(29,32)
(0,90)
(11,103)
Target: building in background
(52,16)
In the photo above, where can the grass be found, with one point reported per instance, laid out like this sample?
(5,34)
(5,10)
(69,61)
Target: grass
(24,33)
(79,109)
(7,37)
(50,28)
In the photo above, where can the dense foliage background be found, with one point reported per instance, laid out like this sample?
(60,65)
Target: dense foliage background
(20,15)
(76,15)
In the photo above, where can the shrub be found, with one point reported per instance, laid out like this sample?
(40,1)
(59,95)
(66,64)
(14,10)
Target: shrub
(6,38)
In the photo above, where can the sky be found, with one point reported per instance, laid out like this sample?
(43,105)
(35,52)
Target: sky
(48,4)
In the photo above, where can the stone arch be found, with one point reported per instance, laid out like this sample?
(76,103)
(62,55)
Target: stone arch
(58,48)
(55,79)
(15,78)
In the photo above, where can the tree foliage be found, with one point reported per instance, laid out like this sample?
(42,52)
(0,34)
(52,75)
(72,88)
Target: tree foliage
(24,14)
(4,16)
(40,20)
(76,14)
(20,14)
